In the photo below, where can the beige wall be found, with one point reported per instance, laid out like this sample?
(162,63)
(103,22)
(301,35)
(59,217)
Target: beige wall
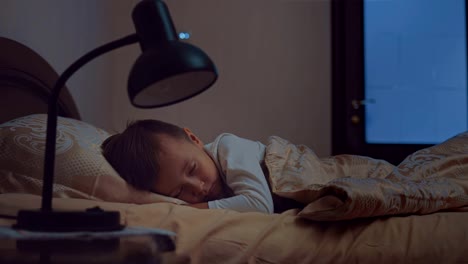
(273,58)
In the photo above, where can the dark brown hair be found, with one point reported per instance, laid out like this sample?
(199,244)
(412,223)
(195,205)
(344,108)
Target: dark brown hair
(134,152)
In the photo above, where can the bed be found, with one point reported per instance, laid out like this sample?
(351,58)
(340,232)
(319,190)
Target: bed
(362,210)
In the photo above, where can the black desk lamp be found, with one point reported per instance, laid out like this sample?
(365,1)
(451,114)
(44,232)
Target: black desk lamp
(167,72)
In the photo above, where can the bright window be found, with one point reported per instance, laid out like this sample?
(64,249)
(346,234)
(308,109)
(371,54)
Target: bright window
(415,70)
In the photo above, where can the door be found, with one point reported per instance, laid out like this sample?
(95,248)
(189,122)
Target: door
(399,75)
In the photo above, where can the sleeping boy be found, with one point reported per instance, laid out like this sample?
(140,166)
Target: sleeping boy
(166,159)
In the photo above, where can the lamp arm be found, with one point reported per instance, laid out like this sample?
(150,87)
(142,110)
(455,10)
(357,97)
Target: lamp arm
(49,162)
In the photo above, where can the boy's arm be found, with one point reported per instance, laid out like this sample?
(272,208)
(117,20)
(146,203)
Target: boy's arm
(199,205)
(240,159)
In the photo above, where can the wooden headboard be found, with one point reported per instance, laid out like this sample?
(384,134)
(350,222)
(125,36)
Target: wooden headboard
(26,80)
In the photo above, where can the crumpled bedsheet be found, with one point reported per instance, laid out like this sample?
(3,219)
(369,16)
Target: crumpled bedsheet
(349,186)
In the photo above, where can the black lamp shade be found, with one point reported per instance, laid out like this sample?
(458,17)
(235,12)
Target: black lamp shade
(169,73)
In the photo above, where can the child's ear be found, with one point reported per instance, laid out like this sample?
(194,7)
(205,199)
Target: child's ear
(193,137)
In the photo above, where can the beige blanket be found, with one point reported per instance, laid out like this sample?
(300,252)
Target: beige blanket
(349,186)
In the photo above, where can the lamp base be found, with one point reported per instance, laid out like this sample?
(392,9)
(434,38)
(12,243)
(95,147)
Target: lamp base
(93,219)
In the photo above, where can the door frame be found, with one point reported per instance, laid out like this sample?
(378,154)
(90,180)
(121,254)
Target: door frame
(348,115)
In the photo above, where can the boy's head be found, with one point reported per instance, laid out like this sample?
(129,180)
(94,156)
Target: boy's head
(160,157)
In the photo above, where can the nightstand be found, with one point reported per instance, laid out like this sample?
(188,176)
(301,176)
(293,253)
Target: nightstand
(130,245)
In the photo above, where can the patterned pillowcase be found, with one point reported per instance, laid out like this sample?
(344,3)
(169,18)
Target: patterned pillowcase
(81,171)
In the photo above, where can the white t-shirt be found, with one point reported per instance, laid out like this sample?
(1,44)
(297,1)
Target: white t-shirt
(239,162)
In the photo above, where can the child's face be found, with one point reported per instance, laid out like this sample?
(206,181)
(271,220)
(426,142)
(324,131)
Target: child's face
(186,171)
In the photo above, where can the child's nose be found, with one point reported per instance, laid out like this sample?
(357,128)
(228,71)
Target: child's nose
(198,189)
(201,190)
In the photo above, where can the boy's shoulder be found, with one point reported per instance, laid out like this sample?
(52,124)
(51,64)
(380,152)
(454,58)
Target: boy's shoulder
(227,143)
(229,139)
